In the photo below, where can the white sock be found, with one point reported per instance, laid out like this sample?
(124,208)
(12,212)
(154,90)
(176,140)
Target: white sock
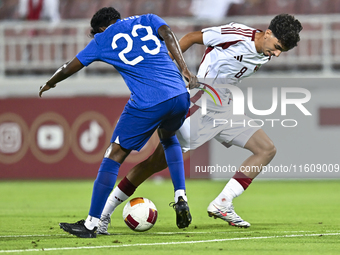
(91,222)
(180,193)
(116,198)
(231,190)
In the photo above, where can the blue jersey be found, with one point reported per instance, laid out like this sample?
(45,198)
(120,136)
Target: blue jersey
(134,47)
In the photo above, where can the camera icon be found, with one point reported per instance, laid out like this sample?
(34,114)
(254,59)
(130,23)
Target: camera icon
(10,137)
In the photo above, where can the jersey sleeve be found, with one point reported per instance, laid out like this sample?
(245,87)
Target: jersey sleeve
(213,36)
(156,22)
(89,54)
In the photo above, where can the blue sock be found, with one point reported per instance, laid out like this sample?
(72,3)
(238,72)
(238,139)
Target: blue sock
(174,158)
(103,185)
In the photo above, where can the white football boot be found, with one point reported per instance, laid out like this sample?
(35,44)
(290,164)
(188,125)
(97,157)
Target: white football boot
(227,214)
(103,225)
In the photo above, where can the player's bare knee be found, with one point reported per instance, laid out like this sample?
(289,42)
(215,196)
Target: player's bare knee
(272,152)
(269,150)
(266,150)
(116,153)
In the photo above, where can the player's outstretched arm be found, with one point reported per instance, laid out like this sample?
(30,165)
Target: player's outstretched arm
(188,40)
(174,48)
(61,74)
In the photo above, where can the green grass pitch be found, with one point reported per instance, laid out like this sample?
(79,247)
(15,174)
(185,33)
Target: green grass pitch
(287,217)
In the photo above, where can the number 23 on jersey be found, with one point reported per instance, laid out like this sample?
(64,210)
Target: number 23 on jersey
(129,46)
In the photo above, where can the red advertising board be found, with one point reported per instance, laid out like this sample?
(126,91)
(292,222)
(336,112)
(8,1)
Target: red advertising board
(62,138)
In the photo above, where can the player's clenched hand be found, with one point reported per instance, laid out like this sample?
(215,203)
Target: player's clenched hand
(45,88)
(191,79)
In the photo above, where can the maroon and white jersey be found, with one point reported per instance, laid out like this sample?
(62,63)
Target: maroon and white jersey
(230,56)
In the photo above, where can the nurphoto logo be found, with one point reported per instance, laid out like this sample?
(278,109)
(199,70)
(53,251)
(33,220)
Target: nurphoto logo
(239,99)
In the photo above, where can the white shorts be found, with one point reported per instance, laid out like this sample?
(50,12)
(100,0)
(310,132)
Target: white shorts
(226,128)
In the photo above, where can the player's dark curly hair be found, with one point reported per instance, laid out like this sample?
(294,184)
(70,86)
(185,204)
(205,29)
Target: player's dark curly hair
(286,29)
(103,18)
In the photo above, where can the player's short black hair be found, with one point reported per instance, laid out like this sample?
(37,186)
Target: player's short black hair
(103,18)
(286,29)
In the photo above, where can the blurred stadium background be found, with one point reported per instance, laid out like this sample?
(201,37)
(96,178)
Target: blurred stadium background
(65,134)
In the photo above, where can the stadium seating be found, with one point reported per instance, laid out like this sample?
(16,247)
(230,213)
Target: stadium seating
(80,9)
(248,9)
(149,6)
(8,9)
(77,9)
(178,8)
(334,6)
(124,7)
(275,7)
(45,47)
(314,6)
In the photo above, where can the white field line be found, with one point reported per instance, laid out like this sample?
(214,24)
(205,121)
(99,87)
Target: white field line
(167,243)
(151,233)
(167,233)
(16,236)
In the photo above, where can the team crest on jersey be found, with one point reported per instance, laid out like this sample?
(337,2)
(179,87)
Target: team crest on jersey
(239,58)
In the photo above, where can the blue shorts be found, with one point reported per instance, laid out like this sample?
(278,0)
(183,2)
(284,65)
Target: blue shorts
(136,126)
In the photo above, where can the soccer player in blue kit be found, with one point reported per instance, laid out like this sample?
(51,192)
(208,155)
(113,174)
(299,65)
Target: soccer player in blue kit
(138,48)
